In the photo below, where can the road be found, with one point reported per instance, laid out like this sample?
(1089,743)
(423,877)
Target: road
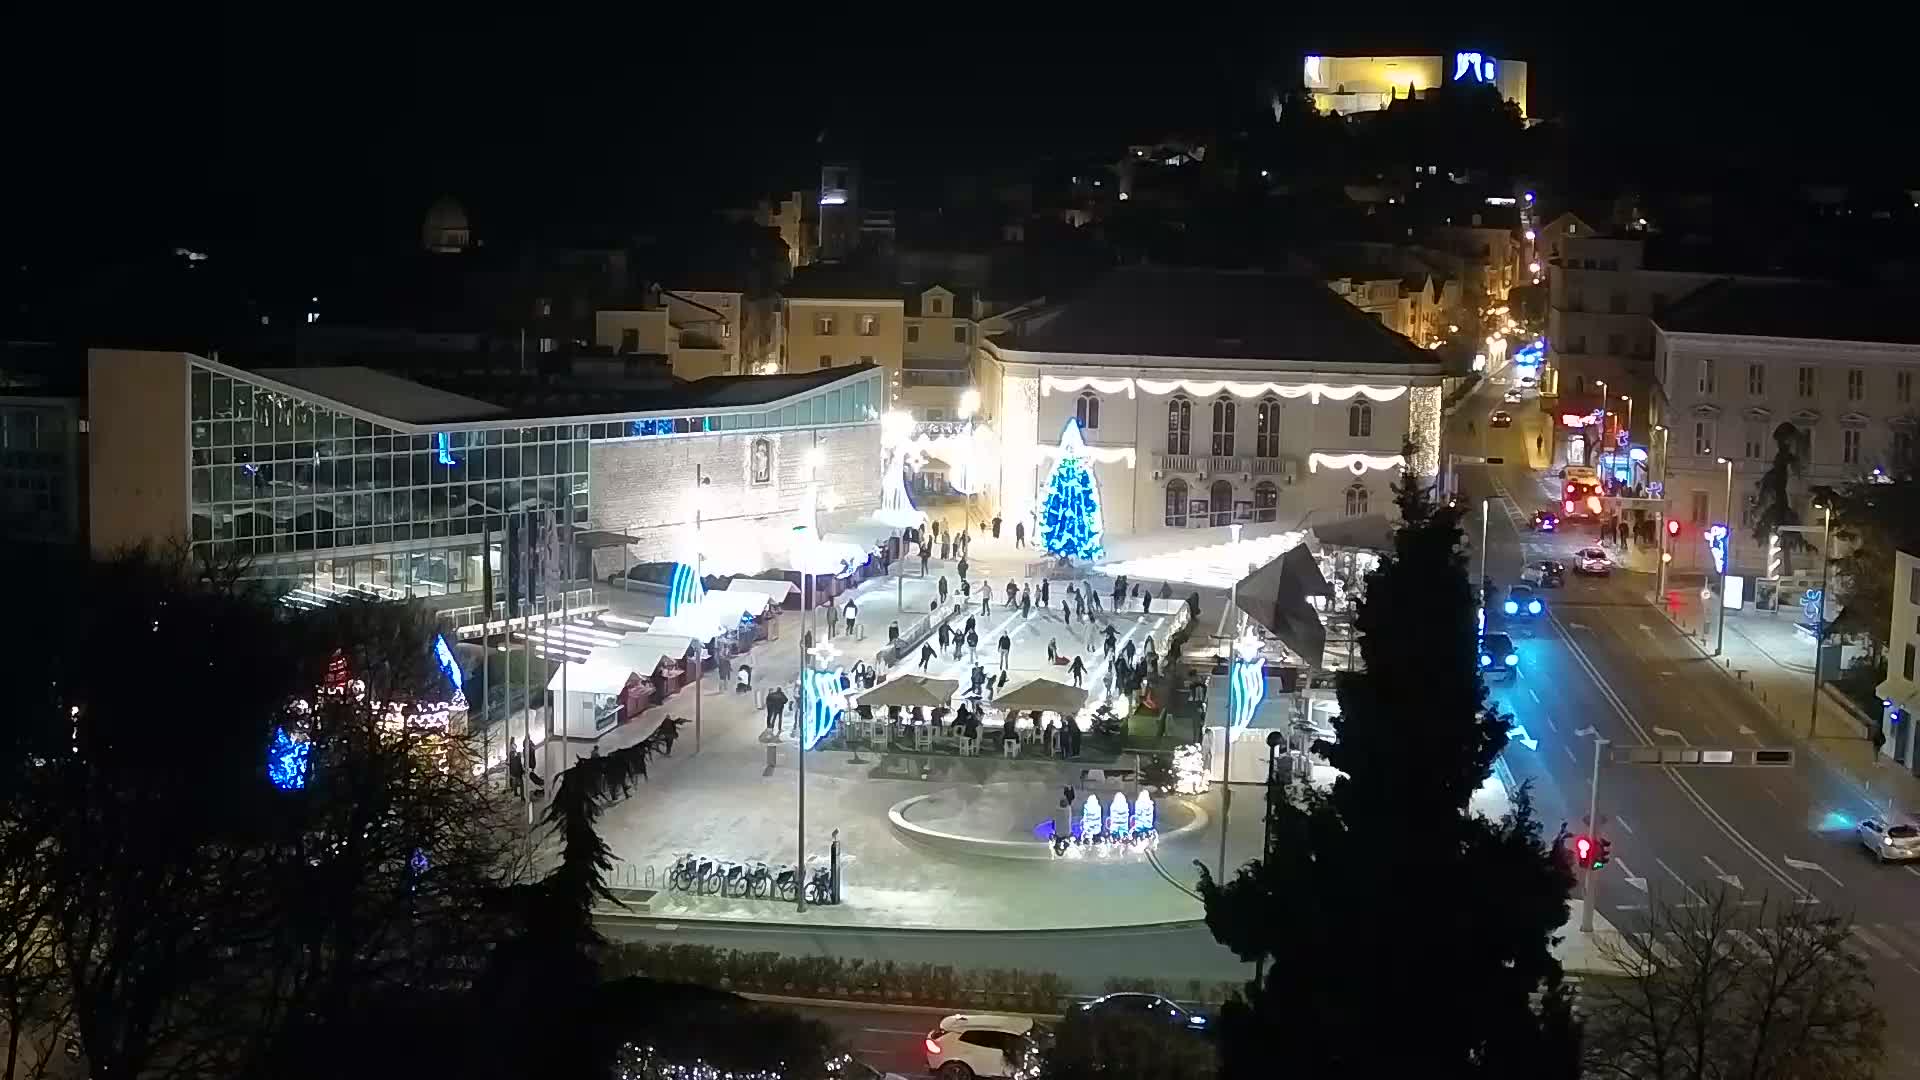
(1602,659)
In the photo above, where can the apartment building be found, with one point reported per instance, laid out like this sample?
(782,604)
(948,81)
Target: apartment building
(1739,358)
(1900,691)
(699,332)
(835,317)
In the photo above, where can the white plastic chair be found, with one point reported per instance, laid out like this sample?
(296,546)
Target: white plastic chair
(1010,747)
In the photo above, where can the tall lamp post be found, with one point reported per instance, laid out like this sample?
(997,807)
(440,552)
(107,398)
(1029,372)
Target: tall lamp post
(1720,632)
(1659,518)
(1602,384)
(1246,688)
(700,483)
(1820,616)
(814,458)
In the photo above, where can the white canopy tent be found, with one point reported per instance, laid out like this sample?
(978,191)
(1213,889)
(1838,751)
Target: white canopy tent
(777,591)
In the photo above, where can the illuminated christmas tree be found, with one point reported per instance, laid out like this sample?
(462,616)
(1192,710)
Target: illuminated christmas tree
(1070,523)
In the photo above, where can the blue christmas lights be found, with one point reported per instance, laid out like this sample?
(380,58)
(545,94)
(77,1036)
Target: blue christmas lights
(1070,520)
(685,589)
(448,665)
(288,761)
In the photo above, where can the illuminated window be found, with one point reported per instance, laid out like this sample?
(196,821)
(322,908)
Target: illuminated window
(1179,426)
(1266,436)
(1266,501)
(823,325)
(1223,421)
(1360,420)
(869,325)
(1177,503)
(1087,411)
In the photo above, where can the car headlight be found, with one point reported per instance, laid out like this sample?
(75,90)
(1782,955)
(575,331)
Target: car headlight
(1533,607)
(1485,660)
(1510,607)
(1513,659)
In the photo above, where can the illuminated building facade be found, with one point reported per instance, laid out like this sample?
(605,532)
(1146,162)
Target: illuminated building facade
(1356,84)
(1209,398)
(329,480)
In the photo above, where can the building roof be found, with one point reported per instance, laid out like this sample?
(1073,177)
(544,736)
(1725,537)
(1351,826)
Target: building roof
(1817,311)
(831,281)
(1226,314)
(387,395)
(406,403)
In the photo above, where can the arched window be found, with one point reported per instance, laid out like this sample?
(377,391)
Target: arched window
(1360,420)
(1087,411)
(1179,426)
(1220,503)
(1356,500)
(1266,435)
(1177,503)
(1266,501)
(1223,426)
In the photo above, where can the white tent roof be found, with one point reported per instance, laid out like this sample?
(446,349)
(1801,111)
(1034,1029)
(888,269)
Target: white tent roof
(675,646)
(738,604)
(702,621)
(866,533)
(778,590)
(600,673)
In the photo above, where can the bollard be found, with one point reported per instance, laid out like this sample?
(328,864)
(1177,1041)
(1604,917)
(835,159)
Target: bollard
(772,749)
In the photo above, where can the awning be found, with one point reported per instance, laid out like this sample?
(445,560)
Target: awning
(673,646)
(909,691)
(866,533)
(778,590)
(597,674)
(738,604)
(1368,532)
(1044,695)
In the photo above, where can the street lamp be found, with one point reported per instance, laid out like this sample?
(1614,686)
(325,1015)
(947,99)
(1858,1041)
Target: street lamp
(701,482)
(1820,615)
(1720,633)
(1602,384)
(1659,517)
(1246,688)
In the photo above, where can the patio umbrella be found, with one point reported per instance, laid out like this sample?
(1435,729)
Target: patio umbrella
(908,691)
(1043,694)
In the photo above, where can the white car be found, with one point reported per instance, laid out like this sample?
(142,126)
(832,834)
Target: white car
(1890,841)
(966,1045)
(1592,560)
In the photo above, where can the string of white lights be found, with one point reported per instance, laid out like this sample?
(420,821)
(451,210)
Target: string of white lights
(1201,388)
(1357,464)
(1106,455)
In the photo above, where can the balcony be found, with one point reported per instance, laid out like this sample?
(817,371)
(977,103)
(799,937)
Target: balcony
(1178,463)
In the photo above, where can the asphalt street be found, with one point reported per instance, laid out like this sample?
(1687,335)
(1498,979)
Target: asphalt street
(1602,662)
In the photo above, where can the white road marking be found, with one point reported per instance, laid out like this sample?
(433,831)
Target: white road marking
(1775,796)
(1569,751)
(1623,823)
(1873,942)
(1802,864)
(1914,870)
(1550,724)
(1534,696)
(1683,882)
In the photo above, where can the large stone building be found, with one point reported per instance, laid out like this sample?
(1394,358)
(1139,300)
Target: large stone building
(1211,397)
(1353,84)
(1738,359)
(1900,691)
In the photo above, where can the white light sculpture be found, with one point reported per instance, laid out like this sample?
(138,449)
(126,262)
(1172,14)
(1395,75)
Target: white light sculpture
(1357,464)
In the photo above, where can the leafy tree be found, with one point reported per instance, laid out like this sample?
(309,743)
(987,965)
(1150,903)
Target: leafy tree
(1773,503)
(1873,520)
(1326,907)
(1735,992)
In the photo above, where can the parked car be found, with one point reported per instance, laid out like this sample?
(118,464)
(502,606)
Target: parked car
(1593,560)
(1544,574)
(966,1045)
(1147,1005)
(1890,841)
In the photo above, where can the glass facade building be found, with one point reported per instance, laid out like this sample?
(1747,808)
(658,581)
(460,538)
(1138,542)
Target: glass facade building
(325,499)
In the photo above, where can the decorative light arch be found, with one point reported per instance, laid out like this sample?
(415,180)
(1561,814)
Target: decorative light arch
(1209,388)
(1357,464)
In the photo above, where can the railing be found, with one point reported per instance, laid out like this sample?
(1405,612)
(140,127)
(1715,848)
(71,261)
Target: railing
(1275,466)
(1179,463)
(1234,464)
(469,619)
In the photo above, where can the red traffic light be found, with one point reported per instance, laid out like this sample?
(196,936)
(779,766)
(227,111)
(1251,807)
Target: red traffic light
(1673,526)
(1582,849)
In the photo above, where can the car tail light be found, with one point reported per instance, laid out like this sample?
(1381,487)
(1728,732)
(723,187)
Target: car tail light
(1569,506)
(932,1047)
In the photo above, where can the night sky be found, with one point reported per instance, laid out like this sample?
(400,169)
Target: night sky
(336,129)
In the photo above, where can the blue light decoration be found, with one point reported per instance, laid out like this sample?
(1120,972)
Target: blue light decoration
(1474,67)
(825,702)
(443,445)
(1810,604)
(1090,819)
(418,862)
(288,761)
(685,589)
(1119,817)
(1717,543)
(1143,814)
(443,655)
(1246,682)
(1070,520)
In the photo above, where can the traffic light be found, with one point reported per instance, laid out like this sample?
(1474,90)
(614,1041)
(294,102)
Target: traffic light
(1673,526)
(1582,850)
(1601,853)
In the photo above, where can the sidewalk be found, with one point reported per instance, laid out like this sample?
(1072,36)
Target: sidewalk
(1773,661)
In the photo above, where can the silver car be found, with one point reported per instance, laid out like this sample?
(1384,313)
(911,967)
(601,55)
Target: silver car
(1890,841)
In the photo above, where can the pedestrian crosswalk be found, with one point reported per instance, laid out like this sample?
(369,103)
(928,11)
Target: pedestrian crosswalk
(1885,941)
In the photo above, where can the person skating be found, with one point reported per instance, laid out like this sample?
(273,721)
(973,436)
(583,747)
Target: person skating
(1006,650)
(1013,594)
(986,601)
(1111,640)
(971,623)
(1078,669)
(850,611)
(946,634)
(973,645)
(925,552)
(1128,651)
(959,645)
(1046,598)
(926,655)
(1019,534)
(946,549)
(1066,613)
(943,590)
(1053,650)
(996,526)
(1079,602)
(963,569)
(1026,601)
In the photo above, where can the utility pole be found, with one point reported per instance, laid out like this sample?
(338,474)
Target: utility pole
(1593,830)
(800,742)
(699,561)
(1720,630)
(1820,621)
